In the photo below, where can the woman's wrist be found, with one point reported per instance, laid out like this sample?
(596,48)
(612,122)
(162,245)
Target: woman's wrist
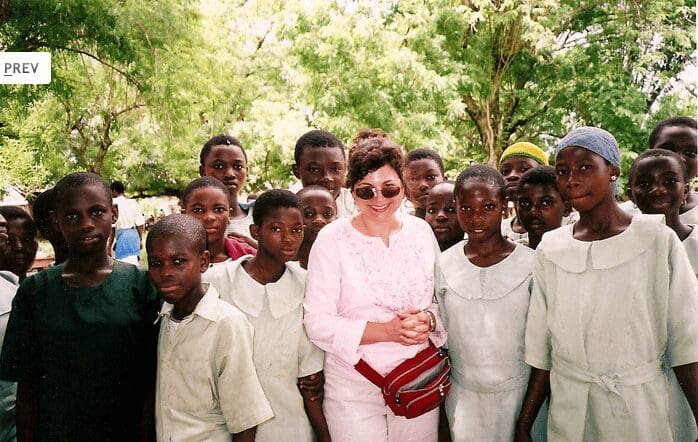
(432,320)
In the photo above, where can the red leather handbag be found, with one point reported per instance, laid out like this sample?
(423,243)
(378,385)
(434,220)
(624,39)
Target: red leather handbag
(417,385)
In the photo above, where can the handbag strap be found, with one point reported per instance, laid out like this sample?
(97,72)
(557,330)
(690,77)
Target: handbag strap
(369,373)
(376,379)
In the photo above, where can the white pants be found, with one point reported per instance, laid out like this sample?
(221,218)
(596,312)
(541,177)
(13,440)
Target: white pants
(356,412)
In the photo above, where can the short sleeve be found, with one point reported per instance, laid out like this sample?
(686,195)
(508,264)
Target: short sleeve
(240,395)
(682,309)
(538,338)
(310,358)
(21,360)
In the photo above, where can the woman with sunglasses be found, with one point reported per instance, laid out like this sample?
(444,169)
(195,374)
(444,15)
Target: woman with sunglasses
(369,295)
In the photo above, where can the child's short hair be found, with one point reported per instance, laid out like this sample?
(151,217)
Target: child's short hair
(539,176)
(313,188)
(11,213)
(219,140)
(316,138)
(44,204)
(271,200)
(484,173)
(200,183)
(78,179)
(657,153)
(180,225)
(117,186)
(372,154)
(423,153)
(671,122)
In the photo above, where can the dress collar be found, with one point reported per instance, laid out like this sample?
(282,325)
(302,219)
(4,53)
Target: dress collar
(496,281)
(573,255)
(283,296)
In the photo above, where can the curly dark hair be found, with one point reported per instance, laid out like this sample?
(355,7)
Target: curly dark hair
(371,154)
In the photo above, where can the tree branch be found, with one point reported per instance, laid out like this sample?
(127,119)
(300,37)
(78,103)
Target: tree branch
(128,77)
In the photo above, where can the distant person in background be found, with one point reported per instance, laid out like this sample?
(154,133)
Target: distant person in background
(44,206)
(8,390)
(206,199)
(320,160)
(442,217)
(679,134)
(540,206)
(224,159)
(128,229)
(514,162)
(21,250)
(424,169)
(319,209)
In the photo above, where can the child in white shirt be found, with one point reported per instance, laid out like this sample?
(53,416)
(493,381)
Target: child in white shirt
(207,386)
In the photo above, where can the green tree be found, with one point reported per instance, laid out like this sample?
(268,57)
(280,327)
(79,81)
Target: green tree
(489,73)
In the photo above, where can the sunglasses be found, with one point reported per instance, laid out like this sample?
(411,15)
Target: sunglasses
(370,192)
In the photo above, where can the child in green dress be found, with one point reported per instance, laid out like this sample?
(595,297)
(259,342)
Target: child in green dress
(80,340)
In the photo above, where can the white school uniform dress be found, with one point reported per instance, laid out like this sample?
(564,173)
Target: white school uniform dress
(690,217)
(9,282)
(346,208)
(282,351)
(240,225)
(691,245)
(484,310)
(207,386)
(604,317)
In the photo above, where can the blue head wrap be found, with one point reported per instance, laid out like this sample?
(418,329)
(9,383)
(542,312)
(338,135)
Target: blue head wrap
(596,140)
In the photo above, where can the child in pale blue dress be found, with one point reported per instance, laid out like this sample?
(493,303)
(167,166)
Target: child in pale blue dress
(483,287)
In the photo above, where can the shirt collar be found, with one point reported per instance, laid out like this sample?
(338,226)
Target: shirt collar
(206,308)
(10,277)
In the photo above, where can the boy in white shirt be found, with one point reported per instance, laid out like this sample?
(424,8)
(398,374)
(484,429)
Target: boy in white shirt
(269,290)
(207,385)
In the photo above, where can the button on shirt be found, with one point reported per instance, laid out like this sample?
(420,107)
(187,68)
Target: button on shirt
(207,385)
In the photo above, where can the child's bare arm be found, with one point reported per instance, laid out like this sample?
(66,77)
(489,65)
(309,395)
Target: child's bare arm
(687,375)
(27,406)
(245,436)
(314,385)
(313,407)
(538,389)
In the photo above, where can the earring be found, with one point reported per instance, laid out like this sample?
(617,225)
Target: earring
(613,177)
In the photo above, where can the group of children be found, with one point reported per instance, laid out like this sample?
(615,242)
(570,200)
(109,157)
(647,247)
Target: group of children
(536,304)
